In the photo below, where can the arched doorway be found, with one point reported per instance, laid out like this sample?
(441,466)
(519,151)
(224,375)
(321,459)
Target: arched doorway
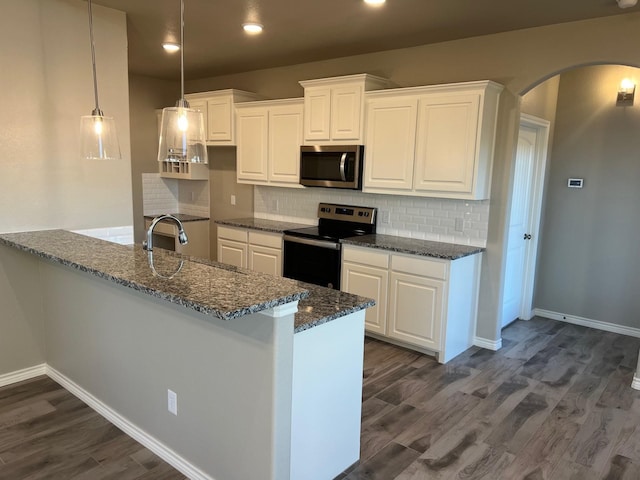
(587,270)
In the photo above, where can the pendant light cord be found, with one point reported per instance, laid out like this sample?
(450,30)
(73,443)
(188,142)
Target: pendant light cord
(182,49)
(97,110)
(182,103)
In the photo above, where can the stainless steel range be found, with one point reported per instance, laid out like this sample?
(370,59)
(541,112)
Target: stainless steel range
(314,254)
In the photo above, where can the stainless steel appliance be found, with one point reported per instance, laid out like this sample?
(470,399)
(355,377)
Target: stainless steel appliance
(314,254)
(332,166)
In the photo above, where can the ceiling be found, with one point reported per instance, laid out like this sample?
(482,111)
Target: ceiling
(298,31)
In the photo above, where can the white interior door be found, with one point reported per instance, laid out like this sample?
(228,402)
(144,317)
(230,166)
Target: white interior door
(519,225)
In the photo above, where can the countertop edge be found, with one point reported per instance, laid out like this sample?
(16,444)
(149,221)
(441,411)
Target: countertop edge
(243,223)
(473,250)
(329,318)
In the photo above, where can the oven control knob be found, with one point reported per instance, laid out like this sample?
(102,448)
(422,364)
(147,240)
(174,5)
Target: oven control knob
(359,214)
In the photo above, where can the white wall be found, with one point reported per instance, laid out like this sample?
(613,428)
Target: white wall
(587,265)
(46,86)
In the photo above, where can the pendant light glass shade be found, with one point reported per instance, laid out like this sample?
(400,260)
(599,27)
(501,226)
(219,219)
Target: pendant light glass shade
(182,132)
(98,138)
(182,136)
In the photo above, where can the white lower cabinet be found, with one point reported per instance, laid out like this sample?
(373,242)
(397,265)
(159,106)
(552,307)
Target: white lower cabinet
(232,246)
(265,252)
(365,273)
(257,251)
(422,303)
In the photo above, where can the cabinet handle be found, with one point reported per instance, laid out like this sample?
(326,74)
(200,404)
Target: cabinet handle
(527,236)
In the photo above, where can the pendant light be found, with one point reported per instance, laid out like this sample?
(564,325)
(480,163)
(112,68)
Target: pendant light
(182,135)
(98,139)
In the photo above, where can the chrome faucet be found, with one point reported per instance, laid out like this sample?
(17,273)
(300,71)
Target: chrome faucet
(182,236)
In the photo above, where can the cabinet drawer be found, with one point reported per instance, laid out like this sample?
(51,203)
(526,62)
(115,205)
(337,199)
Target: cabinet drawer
(273,240)
(419,266)
(365,257)
(237,234)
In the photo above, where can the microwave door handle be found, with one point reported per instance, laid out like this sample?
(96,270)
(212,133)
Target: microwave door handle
(343,161)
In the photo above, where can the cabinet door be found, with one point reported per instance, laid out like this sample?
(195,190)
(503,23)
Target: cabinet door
(265,260)
(219,120)
(285,138)
(415,310)
(346,113)
(446,143)
(317,114)
(390,140)
(252,142)
(368,282)
(232,253)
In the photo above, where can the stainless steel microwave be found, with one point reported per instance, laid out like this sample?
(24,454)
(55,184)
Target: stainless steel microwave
(334,166)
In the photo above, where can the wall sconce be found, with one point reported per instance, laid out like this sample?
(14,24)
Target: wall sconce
(626,92)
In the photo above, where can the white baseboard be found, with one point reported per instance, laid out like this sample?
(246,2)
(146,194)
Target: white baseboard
(587,322)
(494,345)
(636,383)
(160,449)
(21,375)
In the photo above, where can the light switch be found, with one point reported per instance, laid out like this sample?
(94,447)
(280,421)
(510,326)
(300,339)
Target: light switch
(233,199)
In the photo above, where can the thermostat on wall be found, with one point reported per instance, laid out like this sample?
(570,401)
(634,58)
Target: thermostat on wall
(575,182)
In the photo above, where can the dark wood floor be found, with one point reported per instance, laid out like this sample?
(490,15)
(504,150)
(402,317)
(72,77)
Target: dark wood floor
(554,403)
(47,433)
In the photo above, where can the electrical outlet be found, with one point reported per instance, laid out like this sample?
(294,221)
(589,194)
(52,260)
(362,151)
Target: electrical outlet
(233,199)
(459,224)
(274,204)
(193,196)
(384,217)
(172,402)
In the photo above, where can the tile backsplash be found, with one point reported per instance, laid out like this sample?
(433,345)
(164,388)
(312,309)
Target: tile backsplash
(168,195)
(414,217)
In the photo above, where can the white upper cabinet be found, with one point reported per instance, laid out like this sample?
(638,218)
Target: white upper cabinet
(434,141)
(218,110)
(448,127)
(390,143)
(253,132)
(334,108)
(269,135)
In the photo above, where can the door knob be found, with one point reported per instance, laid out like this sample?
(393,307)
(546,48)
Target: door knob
(527,236)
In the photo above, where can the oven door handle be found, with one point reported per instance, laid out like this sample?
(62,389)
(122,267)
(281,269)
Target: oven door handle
(343,161)
(312,242)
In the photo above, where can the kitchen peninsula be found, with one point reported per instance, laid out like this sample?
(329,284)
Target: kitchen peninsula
(261,393)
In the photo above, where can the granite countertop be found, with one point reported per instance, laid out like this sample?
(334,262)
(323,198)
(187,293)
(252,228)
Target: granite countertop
(261,224)
(207,288)
(212,288)
(413,246)
(325,304)
(183,217)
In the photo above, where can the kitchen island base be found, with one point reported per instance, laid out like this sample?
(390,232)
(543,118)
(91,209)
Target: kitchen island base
(238,382)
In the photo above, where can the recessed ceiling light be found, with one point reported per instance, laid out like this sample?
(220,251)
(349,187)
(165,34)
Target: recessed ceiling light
(171,47)
(252,27)
(375,3)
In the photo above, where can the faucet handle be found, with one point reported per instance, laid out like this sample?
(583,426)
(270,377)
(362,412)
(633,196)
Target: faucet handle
(144,245)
